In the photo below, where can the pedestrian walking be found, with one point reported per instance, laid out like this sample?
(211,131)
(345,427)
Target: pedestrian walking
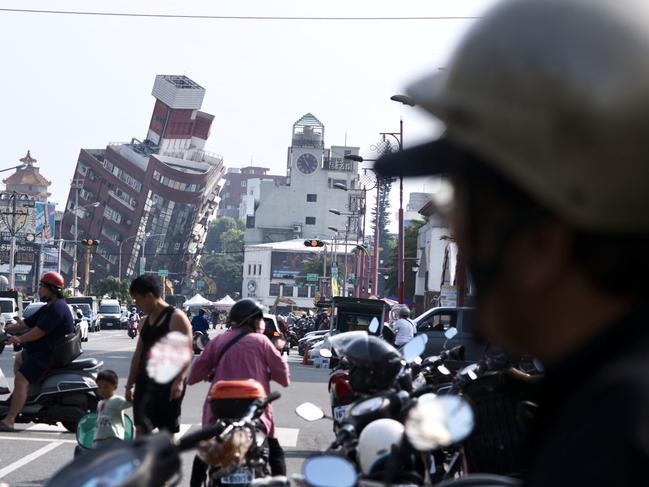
(155,405)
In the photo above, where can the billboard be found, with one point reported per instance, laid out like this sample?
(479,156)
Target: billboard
(37,220)
(289,265)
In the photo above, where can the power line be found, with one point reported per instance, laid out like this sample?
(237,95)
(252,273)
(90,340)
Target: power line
(227,17)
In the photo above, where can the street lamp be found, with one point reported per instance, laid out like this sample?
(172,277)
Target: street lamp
(405,99)
(77,186)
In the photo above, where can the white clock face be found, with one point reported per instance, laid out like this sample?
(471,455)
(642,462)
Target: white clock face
(307,163)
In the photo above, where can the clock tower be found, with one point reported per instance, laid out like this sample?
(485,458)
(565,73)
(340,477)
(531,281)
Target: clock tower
(307,152)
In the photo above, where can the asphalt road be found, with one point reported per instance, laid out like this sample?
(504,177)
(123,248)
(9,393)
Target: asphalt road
(29,457)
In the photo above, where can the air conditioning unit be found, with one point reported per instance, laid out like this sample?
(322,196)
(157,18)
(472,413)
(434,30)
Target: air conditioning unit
(297,228)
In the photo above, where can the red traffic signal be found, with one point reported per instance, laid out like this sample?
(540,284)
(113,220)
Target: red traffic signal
(313,243)
(89,242)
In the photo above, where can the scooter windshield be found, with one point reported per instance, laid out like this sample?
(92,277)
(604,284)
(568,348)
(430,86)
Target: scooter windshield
(340,342)
(362,349)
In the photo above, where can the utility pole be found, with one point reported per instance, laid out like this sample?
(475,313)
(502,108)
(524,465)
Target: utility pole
(89,244)
(77,184)
(14,227)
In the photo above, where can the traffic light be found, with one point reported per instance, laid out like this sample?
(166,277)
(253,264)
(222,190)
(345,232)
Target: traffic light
(89,242)
(313,243)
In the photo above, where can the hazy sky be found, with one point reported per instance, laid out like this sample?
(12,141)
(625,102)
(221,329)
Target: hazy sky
(82,81)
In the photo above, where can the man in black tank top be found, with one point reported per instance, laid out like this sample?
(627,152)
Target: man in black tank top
(154,405)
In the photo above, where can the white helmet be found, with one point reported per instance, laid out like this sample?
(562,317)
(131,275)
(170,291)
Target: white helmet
(375,443)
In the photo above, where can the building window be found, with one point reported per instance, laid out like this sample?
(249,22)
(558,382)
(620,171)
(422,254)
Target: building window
(303,292)
(310,220)
(260,269)
(287,291)
(311,198)
(243,183)
(274,290)
(112,214)
(249,266)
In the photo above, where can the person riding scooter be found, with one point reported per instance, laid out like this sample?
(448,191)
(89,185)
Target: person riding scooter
(133,322)
(43,328)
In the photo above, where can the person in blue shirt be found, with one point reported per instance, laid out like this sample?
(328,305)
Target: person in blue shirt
(48,324)
(200,323)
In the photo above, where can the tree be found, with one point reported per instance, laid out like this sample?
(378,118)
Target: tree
(221,225)
(232,241)
(224,260)
(226,271)
(411,235)
(113,287)
(384,221)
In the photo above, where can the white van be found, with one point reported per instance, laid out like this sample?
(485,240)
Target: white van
(109,314)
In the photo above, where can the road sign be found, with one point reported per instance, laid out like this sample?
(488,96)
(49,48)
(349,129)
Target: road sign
(312,277)
(163,273)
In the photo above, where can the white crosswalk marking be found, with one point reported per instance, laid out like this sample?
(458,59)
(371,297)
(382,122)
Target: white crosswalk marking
(287,436)
(184,428)
(47,428)
(29,458)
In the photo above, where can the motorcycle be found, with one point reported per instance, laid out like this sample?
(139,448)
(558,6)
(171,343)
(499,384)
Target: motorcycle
(132,326)
(155,459)
(199,341)
(64,394)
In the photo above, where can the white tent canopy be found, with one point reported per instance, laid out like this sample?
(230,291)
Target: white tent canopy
(197,301)
(226,302)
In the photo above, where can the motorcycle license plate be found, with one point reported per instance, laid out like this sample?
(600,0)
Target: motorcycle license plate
(340,412)
(241,476)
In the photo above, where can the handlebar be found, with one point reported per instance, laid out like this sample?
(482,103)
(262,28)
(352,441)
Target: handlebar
(254,411)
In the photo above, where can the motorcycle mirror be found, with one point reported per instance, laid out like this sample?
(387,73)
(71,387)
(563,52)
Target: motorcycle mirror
(374,326)
(450,333)
(329,471)
(326,353)
(469,370)
(168,357)
(309,411)
(443,370)
(439,422)
(414,348)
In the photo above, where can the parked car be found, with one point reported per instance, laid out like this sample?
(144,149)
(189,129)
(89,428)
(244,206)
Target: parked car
(31,308)
(436,321)
(110,314)
(8,308)
(82,322)
(89,315)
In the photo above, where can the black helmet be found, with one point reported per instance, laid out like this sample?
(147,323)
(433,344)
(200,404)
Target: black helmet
(244,311)
(375,364)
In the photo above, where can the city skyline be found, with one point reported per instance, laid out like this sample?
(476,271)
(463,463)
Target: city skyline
(85,79)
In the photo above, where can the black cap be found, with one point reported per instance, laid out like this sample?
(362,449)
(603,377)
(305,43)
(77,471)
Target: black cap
(439,157)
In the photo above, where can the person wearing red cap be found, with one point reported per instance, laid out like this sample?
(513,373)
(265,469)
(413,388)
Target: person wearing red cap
(49,323)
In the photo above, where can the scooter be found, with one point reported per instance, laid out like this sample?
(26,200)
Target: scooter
(64,395)
(132,327)
(199,341)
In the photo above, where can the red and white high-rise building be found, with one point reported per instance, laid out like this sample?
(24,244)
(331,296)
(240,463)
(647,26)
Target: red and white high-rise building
(156,196)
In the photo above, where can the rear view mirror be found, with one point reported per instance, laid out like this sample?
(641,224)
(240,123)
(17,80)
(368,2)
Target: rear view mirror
(374,326)
(329,471)
(450,333)
(309,411)
(414,348)
(439,422)
(325,353)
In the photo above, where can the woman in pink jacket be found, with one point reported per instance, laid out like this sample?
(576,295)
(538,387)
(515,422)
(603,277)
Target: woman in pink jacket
(242,352)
